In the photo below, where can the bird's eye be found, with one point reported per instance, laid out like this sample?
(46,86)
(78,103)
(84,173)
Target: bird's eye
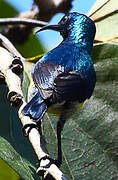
(64,18)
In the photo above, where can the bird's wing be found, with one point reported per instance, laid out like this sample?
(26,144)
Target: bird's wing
(64,85)
(49,67)
(44,75)
(71,85)
(59,72)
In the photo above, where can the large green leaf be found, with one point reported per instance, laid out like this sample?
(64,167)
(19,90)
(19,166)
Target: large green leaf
(9,155)
(105,15)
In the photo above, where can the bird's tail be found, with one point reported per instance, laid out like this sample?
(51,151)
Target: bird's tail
(36,108)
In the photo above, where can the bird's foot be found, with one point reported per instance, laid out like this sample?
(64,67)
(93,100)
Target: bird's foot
(42,169)
(30,127)
(58,163)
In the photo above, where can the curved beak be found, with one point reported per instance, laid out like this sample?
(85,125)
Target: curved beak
(52,27)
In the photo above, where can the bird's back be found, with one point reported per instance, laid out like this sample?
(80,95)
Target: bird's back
(68,69)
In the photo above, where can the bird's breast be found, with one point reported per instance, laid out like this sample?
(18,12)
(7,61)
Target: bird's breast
(57,109)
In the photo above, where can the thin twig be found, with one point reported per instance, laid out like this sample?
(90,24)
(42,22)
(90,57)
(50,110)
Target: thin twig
(24,21)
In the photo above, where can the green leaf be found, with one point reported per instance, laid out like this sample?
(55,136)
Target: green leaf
(6,172)
(102,51)
(102,8)
(8,154)
(104,13)
(6,10)
(31,48)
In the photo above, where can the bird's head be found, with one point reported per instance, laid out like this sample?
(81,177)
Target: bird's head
(75,26)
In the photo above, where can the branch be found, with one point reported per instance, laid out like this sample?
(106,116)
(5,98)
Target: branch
(24,21)
(13,78)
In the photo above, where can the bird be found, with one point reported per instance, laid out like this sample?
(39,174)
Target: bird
(64,77)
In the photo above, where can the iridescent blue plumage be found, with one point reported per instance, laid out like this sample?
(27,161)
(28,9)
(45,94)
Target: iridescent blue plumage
(66,74)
